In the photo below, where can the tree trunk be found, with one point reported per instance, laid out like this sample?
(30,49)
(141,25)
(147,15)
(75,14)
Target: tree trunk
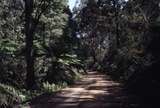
(30,77)
(116,6)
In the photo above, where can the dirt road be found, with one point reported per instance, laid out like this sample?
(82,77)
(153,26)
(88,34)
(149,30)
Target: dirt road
(95,90)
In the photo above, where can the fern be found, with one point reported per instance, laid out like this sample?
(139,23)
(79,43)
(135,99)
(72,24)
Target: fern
(49,88)
(9,96)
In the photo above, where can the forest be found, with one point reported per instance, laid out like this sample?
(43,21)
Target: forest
(100,54)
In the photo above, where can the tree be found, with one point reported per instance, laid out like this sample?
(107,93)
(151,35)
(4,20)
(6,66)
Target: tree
(29,32)
(32,21)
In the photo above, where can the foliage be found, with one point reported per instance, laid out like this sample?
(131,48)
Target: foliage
(9,96)
(52,51)
(50,88)
(70,60)
(45,47)
(121,38)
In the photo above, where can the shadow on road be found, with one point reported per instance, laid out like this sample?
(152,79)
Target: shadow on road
(95,90)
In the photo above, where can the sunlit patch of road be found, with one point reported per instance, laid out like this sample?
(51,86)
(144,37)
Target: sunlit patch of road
(94,90)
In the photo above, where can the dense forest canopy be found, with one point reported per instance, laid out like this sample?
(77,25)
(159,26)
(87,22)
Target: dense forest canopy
(44,45)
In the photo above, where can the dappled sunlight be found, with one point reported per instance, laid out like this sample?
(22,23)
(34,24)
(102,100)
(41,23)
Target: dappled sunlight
(79,53)
(92,91)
